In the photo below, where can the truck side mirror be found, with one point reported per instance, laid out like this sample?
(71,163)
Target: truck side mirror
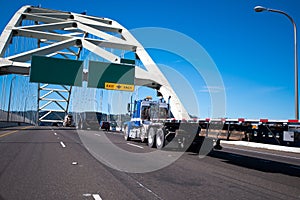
(158,94)
(128,108)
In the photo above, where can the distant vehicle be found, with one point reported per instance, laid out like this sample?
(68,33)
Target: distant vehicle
(105,125)
(89,120)
(113,125)
(68,121)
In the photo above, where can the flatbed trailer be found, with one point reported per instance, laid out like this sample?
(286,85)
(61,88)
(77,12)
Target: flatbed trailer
(278,132)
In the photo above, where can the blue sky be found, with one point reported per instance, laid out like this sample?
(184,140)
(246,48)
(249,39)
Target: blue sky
(252,51)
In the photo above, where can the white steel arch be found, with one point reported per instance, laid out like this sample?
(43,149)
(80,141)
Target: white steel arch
(65,34)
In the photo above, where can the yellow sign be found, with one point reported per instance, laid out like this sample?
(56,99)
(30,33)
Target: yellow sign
(117,86)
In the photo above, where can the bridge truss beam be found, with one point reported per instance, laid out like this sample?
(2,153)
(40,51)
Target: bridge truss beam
(65,34)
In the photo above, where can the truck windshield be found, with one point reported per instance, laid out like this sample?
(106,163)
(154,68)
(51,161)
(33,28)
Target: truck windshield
(145,115)
(163,113)
(157,112)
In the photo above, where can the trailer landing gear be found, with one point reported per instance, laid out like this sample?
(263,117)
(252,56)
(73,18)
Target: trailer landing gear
(218,145)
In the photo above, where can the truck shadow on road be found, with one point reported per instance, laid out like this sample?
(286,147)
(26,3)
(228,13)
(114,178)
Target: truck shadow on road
(263,165)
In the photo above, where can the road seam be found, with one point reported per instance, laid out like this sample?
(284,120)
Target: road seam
(150,191)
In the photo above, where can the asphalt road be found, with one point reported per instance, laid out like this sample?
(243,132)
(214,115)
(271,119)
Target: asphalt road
(53,163)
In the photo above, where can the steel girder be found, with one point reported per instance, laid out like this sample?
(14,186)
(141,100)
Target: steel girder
(59,32)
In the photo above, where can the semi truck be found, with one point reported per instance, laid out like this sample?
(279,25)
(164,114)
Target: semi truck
(152,122)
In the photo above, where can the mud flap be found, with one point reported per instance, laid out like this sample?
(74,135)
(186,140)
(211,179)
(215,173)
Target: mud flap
(206,147)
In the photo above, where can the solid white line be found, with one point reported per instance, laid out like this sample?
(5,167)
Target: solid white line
(97,197)
(263,146)
(135,145)
(265,153)
(62,144)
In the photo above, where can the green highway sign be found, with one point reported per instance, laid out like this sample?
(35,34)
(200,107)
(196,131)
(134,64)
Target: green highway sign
(59,71)
(101,73)
(56,71)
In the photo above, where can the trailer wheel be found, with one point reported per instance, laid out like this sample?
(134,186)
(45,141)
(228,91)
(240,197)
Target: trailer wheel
(82,126)
(151,137)
(160,139)
(126,134)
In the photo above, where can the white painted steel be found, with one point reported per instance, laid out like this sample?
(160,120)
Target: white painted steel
(60,31)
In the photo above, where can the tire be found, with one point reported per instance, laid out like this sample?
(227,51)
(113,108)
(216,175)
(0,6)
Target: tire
(181,144)
(143,135)
(78,125)
(152,137)
(160,139)
(126,134)
(81,126)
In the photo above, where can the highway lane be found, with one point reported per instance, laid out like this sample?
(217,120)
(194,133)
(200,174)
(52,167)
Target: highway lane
(52,163)
(35,165)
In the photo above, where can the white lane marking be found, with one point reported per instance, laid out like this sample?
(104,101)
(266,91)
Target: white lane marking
(264,153)
(62,144)
(55,133)
(134,145)
(150,191)
(97,134)
(96,197)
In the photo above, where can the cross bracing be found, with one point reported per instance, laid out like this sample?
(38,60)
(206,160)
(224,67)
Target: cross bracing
(67,35)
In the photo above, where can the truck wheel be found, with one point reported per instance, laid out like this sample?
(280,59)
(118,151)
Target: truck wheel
(160,139)
(81,126)
(143,135)
(126,134)
(78,126)
(151,137)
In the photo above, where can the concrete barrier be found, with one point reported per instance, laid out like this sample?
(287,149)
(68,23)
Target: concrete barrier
(12,124)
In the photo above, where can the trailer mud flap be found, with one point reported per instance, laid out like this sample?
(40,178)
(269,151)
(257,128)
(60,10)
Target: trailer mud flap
(186,138)
(206,147)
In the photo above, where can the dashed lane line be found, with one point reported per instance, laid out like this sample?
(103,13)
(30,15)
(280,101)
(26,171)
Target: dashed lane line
(134,145)
(62,144)
(96,196)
